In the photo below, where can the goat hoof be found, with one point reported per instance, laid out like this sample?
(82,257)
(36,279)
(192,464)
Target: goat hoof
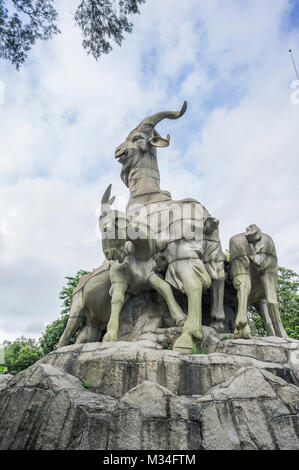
(242,333)
(109,337)
(219,326)
(184,344)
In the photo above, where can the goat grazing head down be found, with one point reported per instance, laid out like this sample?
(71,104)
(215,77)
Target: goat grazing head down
(143,139)
(253,233)
(113,226)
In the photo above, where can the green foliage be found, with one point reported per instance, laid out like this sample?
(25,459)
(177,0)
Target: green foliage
(293,332)
(23,22)
(288,300)
(103,20)
(67,291)
(20,354)
(199,349)
(85,383)
(227,255)
(256,322)
(3,369)
(52,333)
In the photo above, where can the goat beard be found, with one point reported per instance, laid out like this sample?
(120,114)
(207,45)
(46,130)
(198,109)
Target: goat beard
(129,162)
(126,168)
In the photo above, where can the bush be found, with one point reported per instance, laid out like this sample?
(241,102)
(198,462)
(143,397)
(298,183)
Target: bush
(52,334)
(20,354)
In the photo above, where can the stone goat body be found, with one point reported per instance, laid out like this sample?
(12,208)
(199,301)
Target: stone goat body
(193,265)
(132,250)
(253,264)
(91,311)
(90,307)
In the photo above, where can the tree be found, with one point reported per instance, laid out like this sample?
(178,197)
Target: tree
(20,354)
(103,20)
(23,22)
(288,301)
(52,333)
(67,291)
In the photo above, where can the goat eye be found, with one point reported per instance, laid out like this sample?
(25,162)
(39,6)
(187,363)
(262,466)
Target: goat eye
(137,137)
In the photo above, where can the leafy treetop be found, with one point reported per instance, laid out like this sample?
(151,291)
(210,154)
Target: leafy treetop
(23,22)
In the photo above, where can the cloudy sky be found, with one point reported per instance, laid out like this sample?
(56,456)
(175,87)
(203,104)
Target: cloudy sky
(236,149)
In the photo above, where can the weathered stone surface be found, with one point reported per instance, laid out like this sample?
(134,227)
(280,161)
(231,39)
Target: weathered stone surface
(115,368)
(4,378)
(283,351)
(139,398)
(45,408)
(250,406)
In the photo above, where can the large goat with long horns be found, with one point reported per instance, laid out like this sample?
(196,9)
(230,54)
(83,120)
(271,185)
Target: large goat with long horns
(138,156)
(193,264)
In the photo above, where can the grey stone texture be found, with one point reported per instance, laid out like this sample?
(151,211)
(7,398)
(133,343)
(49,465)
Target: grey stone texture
(243,394)
(4,378)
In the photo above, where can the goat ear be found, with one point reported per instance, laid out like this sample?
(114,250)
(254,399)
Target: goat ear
(111,201)
(158,141)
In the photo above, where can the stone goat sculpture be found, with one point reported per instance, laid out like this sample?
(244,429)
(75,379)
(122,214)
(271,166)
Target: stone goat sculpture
(253,265)
(194,264)
(90,307)
(131,248)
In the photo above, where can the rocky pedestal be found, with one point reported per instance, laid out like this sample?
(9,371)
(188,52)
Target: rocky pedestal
(4,378)
(241,395)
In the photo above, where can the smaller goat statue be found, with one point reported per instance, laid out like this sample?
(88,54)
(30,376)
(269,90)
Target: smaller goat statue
(131,247)
(90,307)
(253,266)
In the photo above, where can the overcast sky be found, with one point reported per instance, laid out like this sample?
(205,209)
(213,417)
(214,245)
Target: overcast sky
(236,149)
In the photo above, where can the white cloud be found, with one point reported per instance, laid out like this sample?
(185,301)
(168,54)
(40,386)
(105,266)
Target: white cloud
(236,149)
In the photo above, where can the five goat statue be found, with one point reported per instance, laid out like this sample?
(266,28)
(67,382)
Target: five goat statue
(169,246)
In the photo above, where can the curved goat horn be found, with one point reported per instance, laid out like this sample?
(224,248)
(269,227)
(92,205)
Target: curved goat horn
(155,118)
(106,195)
